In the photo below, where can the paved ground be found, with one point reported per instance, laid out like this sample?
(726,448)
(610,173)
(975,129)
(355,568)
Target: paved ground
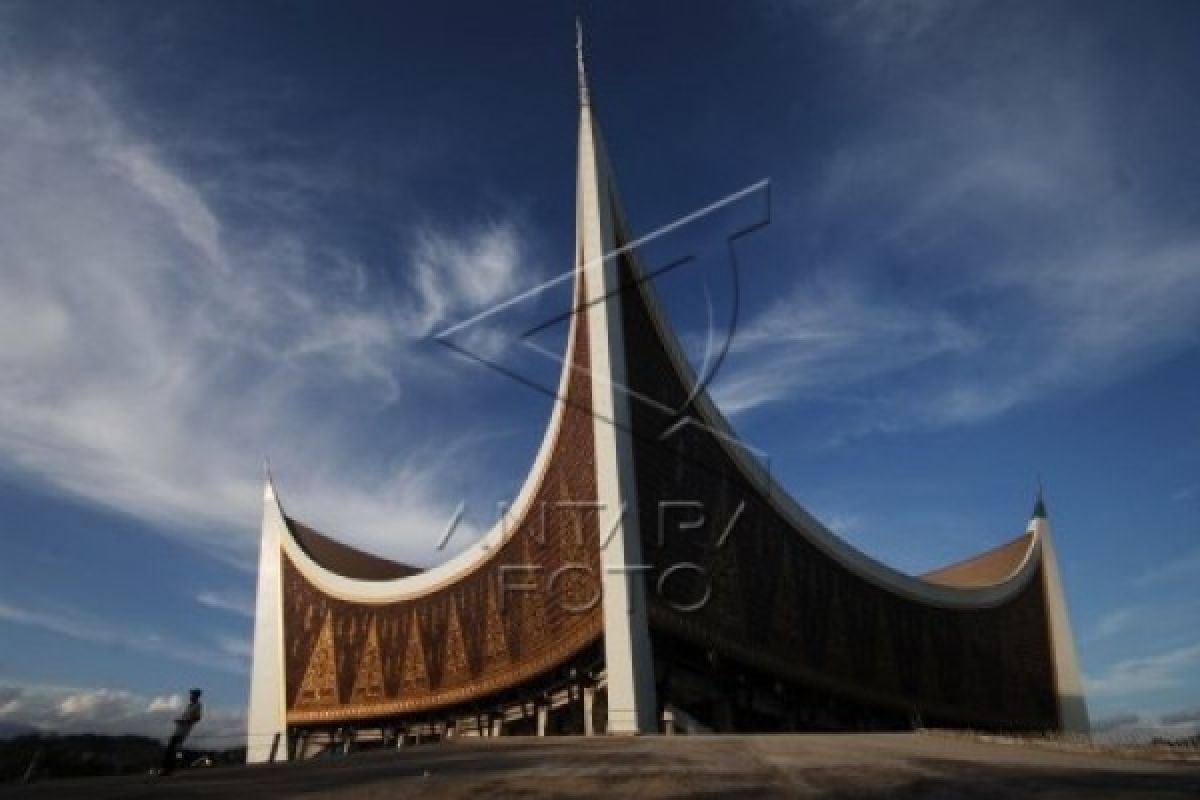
(841,766)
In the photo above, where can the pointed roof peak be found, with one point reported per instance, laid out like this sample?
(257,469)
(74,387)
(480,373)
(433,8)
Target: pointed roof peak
(269,492)
(1039,506)
(584,98)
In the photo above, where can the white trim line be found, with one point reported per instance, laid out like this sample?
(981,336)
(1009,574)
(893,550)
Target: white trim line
(475,556)
(841,551)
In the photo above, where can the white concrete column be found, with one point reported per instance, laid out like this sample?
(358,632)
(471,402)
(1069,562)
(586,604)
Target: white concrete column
(628,658)
(589,703)
(267,714)
(543,717)
(1072,707)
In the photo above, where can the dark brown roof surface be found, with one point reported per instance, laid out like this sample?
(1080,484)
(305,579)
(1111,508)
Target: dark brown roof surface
(985,569)
(345,560)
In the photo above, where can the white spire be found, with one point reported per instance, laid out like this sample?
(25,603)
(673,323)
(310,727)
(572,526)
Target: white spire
(1072,704)
(627,653)
(584,99)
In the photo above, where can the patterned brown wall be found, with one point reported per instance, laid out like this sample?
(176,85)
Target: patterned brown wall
(347,660)
(780,604)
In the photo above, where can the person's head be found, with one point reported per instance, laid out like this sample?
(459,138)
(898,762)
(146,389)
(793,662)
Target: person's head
(195,693)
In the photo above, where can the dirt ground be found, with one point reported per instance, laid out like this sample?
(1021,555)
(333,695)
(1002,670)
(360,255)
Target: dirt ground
(818,766)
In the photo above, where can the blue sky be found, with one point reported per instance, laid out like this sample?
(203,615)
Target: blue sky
(228,230)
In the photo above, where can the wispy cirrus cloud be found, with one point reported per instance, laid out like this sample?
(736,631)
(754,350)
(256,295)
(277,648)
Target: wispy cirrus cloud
(1115,622)
(889,23)
(153,350)
(235,602)
(1002,212)
(221,653)
(827,337)
(1183,566)
(1142,674)
(454,273)
(1185,493)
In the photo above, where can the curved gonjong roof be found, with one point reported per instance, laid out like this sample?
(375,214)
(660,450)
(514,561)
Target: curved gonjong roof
(984,580)
(352,587)
(355,575)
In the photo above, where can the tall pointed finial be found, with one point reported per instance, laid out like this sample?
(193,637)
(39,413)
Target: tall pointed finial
(583,86)
(1039,507)
(267,471)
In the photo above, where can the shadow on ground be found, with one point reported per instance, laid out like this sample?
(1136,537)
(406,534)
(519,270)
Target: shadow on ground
(818,766)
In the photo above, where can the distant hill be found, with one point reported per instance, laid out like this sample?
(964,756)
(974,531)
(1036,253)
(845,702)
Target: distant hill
(87,754)
(10,729)
(77,756)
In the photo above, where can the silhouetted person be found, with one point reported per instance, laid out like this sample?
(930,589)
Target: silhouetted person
(183,726)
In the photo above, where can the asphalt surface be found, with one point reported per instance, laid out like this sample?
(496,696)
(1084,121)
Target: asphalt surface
(825,766)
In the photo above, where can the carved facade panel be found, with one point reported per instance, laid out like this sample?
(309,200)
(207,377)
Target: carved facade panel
(781,604)
(499,625)
(368,682)
(415,678)
(318,688)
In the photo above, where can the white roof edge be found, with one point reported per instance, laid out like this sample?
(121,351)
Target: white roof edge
(795,514)
(466,562)
(858,562)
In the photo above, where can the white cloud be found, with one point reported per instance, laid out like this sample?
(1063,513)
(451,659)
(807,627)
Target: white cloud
(1030,248)
(116,711)
(234,602)
(182,204)
(1183,565)
(237,647)
(888,23)
(1145,726)
(825,337)
(218,654)
(1142,674)
(151,354)
(457,272)
(1185,493)
(1115,722)
(171,702)
(1115,622)
(9,699)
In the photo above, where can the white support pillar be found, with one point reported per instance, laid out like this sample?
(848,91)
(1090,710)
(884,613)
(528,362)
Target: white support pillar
(628,658)
(543,717)
(1072,707)
(266,717)
(589,703)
